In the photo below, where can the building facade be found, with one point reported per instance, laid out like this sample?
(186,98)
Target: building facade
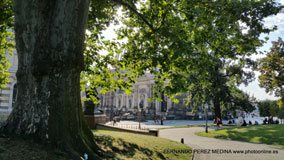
(117,103)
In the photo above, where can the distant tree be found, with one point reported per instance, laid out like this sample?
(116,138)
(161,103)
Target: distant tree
(281,114)
(271,70)
(242,101)
(222,89)
(271,108)
(281,110)
(268,108)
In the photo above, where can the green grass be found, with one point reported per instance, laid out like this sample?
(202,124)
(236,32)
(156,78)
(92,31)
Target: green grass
(267,134)
(121,145)
(114,145)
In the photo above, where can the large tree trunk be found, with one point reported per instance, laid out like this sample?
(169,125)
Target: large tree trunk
(49,41)
(217,108)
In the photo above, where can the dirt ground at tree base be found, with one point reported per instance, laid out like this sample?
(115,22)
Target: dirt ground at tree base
(19,149)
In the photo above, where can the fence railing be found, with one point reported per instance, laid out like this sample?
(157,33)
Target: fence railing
(131,126)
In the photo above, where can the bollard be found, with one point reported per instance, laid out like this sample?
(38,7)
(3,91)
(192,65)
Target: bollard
(182,140)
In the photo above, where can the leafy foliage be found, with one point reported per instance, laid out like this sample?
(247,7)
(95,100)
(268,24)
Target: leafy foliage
(271,68)
(241,100)
(197,47)
(268,108)
(103,68)
(6,44)
(271,108)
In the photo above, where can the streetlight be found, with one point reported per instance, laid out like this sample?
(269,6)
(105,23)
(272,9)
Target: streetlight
(206,117)
(139,119)
(140,109)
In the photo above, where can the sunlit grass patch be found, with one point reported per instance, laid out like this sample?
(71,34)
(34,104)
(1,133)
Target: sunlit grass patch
(121,145)
(267,134)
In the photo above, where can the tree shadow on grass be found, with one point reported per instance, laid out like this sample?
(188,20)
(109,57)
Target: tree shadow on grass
(264,134)
(111,147)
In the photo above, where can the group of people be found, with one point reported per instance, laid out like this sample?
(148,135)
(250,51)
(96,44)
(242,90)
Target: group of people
(270,121)
(249,123)
(243,122)
(158,119)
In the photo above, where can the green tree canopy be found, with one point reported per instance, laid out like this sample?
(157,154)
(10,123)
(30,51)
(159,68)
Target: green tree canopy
(268,108)
(271,68)
(198,47)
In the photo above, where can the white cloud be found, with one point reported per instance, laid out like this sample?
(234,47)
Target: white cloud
(275,20)
(253,89)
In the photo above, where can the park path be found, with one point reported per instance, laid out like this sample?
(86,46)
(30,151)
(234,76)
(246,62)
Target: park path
(209,144)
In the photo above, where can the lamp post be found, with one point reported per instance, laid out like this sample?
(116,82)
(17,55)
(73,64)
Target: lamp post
(140,109)
(111,108)
(139,119)
(206,117)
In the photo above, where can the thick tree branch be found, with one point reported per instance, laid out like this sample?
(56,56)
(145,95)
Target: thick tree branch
(136,12)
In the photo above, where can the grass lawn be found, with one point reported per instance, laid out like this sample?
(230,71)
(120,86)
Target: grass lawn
(267,134)
(115,146)
(122,145)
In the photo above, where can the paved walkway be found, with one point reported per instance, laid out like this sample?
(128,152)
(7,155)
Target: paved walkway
(222,147)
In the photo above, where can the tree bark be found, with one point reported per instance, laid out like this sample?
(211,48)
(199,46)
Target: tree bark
(49,41)
(217,108)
